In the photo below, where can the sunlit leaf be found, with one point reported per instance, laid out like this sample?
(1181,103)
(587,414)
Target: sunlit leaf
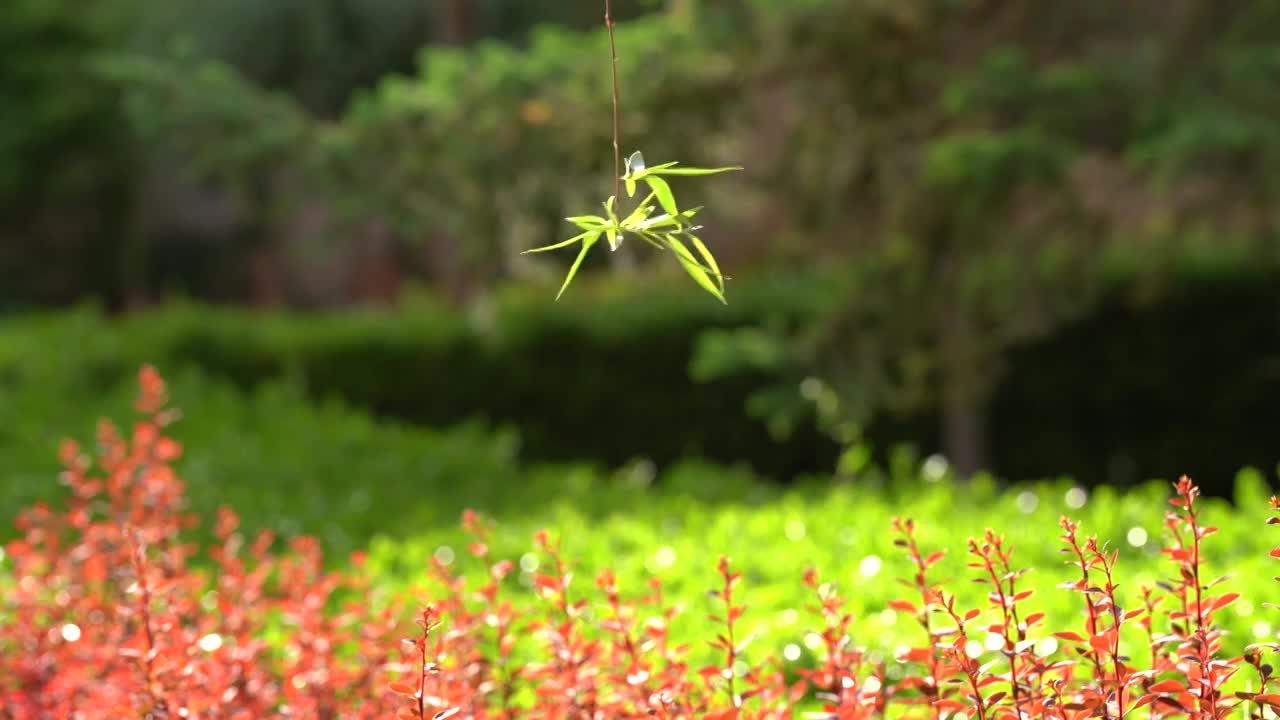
(657,221)
(650,238)
(694,171)
(588,222)
(573,270)
(642,210)
(696,271)
(711,261)
(559,245)
(663,191)
(649,171)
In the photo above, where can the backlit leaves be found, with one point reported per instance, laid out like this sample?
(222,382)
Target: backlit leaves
(671,229)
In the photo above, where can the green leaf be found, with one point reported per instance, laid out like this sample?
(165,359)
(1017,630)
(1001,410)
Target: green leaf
(612,234)
(696,271)
(673,240)
(657,221)
(590,225)
(688,214)
(642,211)
(631,187)
(641,174)
(650,238)
(663,191)
(559,245)
(573,270)
(663,220)
(711,260)
(694,171)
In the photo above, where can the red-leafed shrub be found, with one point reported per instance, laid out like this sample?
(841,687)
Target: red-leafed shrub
(107,617)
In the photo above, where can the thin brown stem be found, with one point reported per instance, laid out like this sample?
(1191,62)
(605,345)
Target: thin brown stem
(422,678)
(145,598)
(617,121)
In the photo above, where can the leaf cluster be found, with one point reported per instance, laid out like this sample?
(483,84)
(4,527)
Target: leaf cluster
(671,229)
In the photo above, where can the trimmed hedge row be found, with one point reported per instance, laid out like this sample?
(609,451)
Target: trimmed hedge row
(1187,384)
(1191,382)
(605,377)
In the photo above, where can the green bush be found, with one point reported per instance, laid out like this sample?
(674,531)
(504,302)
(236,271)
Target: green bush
(640,371)
(695,512)
(606,378)
(359,484)
(283,461)
(1139,561)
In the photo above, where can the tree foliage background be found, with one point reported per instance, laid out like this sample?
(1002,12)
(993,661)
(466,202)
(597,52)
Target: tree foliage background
(984,173)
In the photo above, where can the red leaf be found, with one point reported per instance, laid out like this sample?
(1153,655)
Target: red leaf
(902,605)
(1169,686)
(404,689)
(1225,600)
(1101,643)
(1267,698)
(546,584)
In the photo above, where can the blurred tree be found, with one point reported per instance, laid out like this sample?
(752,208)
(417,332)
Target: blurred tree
(988,173)
(985,171)
(65,165)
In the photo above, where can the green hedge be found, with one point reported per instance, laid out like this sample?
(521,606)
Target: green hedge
(1189,384)
(1185,384)
(603,377)
(279,459)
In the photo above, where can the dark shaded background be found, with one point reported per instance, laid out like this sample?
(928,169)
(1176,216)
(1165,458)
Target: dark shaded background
(1036,238)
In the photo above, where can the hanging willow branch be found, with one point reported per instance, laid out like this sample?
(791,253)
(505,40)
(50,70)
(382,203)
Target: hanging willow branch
(671,229)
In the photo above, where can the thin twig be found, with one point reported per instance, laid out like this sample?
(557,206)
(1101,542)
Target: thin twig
(617,123)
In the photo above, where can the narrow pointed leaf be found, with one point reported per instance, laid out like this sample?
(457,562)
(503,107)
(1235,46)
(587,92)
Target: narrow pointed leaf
(649,238)
(558,245)
(641,174)
(641,211)
(656,221)
(573,270)
(711,261)
(693,171)
(695,270)
(663,191)
(683,252)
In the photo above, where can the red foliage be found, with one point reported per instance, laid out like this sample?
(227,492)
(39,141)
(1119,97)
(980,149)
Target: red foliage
(108,618)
